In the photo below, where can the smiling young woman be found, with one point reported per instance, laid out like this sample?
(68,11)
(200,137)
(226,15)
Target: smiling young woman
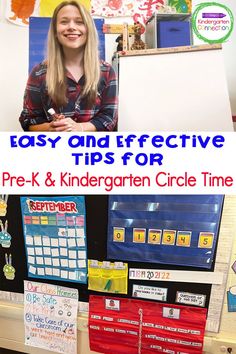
(72,80)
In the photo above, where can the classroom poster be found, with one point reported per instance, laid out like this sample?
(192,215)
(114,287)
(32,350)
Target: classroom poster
(55,237)
(181,6)
(112,8)
(119,325)
(47,6)
(166,229)
(139,10)
(18,12)
(50,317)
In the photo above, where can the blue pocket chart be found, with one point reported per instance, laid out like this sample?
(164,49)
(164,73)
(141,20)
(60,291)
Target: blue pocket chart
(38,30)
(55,237)
(165,229)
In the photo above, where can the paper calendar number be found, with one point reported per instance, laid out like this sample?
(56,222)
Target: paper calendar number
(139,235)
(168,237)
(154,236)
(205,239)
(118,234)
(183,238)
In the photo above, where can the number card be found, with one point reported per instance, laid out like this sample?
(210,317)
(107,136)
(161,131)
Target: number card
(154,236)
(118,234)
(139,235)
(166,229)
(183,238)
(206,240)
(55,244)
(168,237)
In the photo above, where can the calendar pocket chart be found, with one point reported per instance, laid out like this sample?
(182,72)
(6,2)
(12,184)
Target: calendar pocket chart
(55,237)
(166,229)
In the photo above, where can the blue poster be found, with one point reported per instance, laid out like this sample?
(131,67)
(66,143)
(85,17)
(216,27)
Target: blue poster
(165,229)
(55,237)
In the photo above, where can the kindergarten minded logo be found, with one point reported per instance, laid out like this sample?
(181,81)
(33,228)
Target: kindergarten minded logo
(212,22)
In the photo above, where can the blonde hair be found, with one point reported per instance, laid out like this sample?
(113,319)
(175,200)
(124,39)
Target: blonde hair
(56,74)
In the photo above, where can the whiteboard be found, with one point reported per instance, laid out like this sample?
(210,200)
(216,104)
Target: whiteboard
(174,91)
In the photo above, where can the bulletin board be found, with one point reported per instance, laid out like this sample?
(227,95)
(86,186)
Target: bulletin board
(96,208)
(38,30)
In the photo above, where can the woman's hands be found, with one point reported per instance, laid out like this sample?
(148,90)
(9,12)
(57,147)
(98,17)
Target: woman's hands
(63,124)
(69,125)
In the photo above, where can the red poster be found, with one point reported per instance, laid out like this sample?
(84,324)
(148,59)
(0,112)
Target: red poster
(118,325)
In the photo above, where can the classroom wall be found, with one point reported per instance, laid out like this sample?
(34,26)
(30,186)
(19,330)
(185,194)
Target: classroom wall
(14,66)
(11,314)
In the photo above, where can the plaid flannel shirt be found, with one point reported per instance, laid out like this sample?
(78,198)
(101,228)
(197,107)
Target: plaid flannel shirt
(103,114)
